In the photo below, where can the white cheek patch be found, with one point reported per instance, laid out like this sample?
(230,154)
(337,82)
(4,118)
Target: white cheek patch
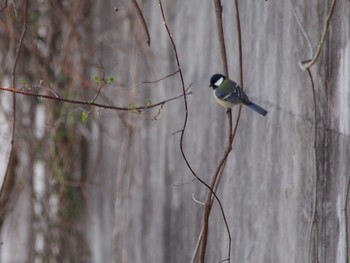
(218,82)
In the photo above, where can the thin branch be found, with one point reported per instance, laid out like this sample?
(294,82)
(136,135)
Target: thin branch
(186,115)
(99,105)
(239,39)
(101,82)
(216,177)
(218,11)
(143,21)
(197,201)
(9,177)
(195,252)
(308,42)
(313,223)
(184,96)
(13,73)
(186,183)
(309,63)
(158,80)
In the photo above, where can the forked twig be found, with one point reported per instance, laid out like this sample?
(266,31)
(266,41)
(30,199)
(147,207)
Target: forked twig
(99,105)
(308,42)
(307,64)
(217,175)
(186,116)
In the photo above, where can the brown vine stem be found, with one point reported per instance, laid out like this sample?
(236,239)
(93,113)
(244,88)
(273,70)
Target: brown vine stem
(240,46)
(306,65)
(239,38)
(217,175)
(220,28)
(158,80)
(102,83)
(9,178)
(313,224)
(99,105)
(143,21)
(345,211)
(186,118)
(309,63)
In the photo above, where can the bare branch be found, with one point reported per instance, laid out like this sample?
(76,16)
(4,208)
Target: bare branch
(8,182)
(143,21)
(186,115)
(217,175)
(313,223)
(307,64)
(158,80)
(218,11)
(197,201)
(99,105)
(308,42)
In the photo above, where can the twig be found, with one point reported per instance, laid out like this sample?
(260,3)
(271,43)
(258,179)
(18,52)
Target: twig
(216,177)
(186,183)
(9,177)
(195,252)
(102,82)
(143,21)
(309,63)
(308,42)
(186,115)
(184,96)
(218,11)
(313,223)
(99,105)
(158,80)
(197,201)
(345,211)
(240,48)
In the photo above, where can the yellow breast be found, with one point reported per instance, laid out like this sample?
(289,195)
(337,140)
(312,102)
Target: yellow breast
(223,103)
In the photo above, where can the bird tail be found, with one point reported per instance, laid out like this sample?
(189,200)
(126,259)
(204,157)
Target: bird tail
(257,108)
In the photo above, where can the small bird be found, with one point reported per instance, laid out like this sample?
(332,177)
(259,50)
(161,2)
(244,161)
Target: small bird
(228,93)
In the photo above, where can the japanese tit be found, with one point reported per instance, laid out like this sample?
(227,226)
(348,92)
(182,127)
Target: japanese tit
(228,94)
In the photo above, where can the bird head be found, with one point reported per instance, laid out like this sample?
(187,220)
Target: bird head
(216,80)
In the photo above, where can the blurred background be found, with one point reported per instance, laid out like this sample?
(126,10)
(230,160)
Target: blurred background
(87,184)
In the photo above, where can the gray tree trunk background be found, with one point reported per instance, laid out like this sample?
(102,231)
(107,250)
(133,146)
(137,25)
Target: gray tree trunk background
(284,188)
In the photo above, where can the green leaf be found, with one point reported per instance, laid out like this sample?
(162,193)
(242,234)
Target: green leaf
(84,116)
(131,106)
(98,80)
(110,80)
